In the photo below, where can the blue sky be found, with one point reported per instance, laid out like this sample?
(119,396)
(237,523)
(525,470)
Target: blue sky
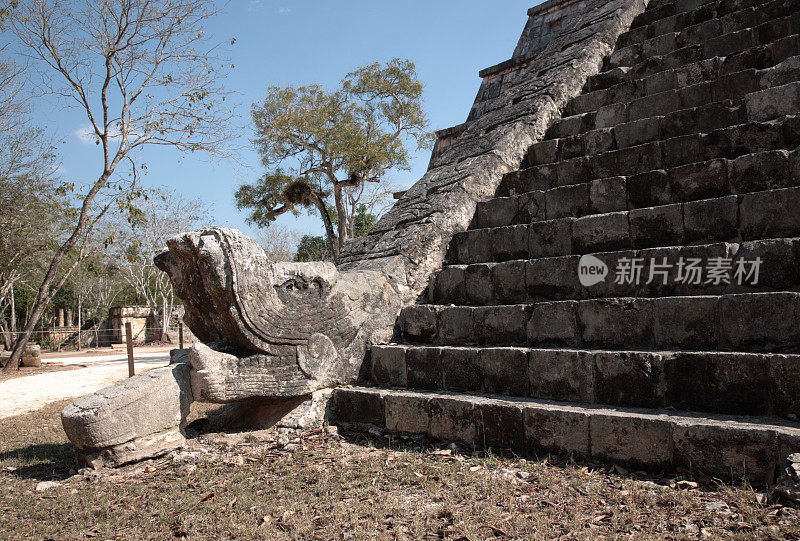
(312,41)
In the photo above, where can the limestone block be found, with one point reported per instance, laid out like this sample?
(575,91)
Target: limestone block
(388,365)
(733,383)
(508,281)
(682,150)
(478,284)
(453,420)
(553,278)
(711,219)
(686,322)
(543,152)
(760,322)
(622,322)
(500,324)
(657,226)
(597,141)
(770,214)
(496,212)
(553,323)
(556,430)
(761,171)
(601,232)
(448,285)
(531,207)
(136,418)
(550,238)
(784,385)
(423,368)
(567,201)
(504,371)
(500,425)
(773,102)
(565,375)
(629,378)
(361,408)
(629,438)
(456,324)
(461,370)
(648,189)
(700,180)
(509,242)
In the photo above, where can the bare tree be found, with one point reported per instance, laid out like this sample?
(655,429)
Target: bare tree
(279,242)
(161,215)
(144,73)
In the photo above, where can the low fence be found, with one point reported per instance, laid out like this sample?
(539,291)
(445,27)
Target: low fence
(74,339)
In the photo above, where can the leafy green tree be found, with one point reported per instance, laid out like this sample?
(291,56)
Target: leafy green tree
(312,248)
(318,144)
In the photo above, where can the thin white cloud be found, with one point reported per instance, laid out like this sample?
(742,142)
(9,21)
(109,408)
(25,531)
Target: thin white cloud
(255,5)
(283,10)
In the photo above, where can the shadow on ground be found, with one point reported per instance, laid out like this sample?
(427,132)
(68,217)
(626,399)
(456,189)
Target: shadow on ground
(42,462)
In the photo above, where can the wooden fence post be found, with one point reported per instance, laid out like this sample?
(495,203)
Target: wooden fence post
(129,340)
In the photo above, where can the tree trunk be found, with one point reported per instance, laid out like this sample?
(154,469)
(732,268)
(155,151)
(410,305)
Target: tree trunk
(80,321)
(333,245)
(13,311)
(342,213)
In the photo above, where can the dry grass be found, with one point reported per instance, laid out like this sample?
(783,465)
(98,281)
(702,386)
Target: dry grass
(321,486)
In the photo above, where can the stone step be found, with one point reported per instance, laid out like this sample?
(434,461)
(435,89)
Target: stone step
(704,20)
(732,383)
(751,216)
(749,267)
(690,183)
(715,445)
(689,111)
(697,79)
(752,322)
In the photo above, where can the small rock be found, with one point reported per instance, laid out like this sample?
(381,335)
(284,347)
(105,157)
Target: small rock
(794,457)
(46,485)
(282,440)
(331,430)
(290,447)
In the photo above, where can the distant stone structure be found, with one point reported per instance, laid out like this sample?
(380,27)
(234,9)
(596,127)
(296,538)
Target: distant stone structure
(602,261)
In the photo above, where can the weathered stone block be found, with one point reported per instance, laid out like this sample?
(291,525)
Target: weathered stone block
(761,171)
(609,116)
(779,268)
(500,425)
(627,161)
(505,371)
(620,322)
(725,450)
(760,322)
(609,287)
(601,232)
(478,284)
(572,171)
(448,286)
(711,219)
(500,325)
(454,420)
(388,365)
(531,208)
(770,214)
(509,242)
(686,322)
(553,278)
(496,212)
(550,238)
(473,246)
(565,375)
(629,378)
(567,201)
(587,102)
(655,105)
(649,189)
(407,412)
(543,152)
(784,385)
(418,323)
(682,150)
(597,141)
(423,368)
(700,180)
(557,430)
(628,438)
(733,383)
(461,370)
(728,44)
(638,132)
(509,282)
(456,325)
(773,102)
(361,407)
(607,195)
(657,226)
(553,323)
(110,428)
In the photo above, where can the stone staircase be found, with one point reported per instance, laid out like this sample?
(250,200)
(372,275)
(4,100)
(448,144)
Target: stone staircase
(632,293)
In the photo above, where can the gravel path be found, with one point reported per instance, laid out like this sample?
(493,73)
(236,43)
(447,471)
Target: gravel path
(25,394)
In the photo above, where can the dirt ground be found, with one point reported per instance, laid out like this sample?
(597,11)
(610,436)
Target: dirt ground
(326,484)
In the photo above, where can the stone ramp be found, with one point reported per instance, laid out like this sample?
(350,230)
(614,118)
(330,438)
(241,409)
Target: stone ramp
(681,154)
